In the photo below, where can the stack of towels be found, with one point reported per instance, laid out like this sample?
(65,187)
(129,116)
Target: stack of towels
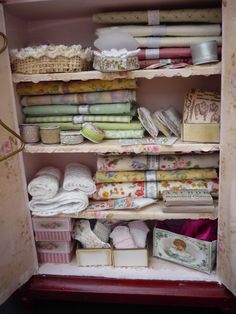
(148,176)
(52,194)
(110,105)
(167,44)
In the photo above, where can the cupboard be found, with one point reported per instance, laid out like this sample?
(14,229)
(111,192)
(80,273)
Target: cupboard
(29,22)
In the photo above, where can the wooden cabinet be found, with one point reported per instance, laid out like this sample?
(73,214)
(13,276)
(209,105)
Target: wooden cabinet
(36,22)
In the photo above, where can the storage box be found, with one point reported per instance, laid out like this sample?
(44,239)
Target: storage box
(93,257)
(183,250)
(52,224)
(115,64)
(62,258)
(130,257)
(201,117)
(52,235)
(55,246)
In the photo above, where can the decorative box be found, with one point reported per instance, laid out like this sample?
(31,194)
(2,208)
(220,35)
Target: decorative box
(93,257)
(201,118)
(71,137)
(55,246)
(183,250)
(61,258)
(115,64)
(51,59)
(130,257)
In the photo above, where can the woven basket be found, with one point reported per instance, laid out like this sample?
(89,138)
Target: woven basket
(44,64)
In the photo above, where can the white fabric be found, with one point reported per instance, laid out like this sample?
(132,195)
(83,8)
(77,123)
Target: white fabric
(63,203)
(139,231)
(78,177)
(45,185)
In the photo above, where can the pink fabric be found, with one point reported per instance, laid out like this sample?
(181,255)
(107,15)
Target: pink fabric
(201,229)
(163,53)
(148,62)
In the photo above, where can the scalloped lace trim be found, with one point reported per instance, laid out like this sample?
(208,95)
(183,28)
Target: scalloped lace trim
(52,51)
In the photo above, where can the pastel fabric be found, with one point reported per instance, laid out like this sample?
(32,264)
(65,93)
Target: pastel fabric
(149,62)
(106,109)
(106,191)
(101,118)
(157,162)
(121,134)
(105,97)
(48,119)
(155,175)
(155,17)
(58,87)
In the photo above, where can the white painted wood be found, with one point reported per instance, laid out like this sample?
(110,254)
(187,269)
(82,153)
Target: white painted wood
(18,259)
(227,202)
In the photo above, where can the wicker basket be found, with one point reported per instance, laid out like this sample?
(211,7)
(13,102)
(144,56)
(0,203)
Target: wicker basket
(44,64)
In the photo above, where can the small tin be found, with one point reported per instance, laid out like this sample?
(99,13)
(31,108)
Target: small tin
(92,133)
(50,134)
(204,52)
(30,133)
(71,137)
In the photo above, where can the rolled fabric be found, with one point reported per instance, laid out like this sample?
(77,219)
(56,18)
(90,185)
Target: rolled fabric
(101,118)
(154,175)
(155,17)
(64,126)
(58,87)
(113,134)
(78,177)
(116,96)
(156,42)
(145,63)
(45,184)
(157,162)
(167,30)
(47,119)
(63,202)
(48,110)
(153,189)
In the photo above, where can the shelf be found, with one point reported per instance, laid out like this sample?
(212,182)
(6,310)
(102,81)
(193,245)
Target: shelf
(206,70)
(151,212)
(114,146)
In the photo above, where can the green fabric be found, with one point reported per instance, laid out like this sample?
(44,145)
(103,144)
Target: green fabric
(65,126)
(49,119)
(114,134)
(50,110)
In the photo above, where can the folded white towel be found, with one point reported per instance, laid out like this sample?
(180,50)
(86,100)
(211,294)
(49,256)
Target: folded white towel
(63,203)
(45,185)
(78,177)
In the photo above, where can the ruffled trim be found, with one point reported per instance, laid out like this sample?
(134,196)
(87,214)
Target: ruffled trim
(52,51)
(122,53)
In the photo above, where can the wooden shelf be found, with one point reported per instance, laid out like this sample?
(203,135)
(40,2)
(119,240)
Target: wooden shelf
(114,146)
(206,70)
(151,212)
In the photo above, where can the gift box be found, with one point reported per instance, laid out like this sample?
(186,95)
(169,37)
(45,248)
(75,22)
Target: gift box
(130,257)
(201,117)
(55,246)
(115,64)
(184,250)
(93,257)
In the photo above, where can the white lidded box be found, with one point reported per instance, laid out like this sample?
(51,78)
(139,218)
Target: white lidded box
(130,257)
(183,250)
(93,257)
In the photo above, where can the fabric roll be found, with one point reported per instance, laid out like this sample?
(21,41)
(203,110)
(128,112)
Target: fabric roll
(49,110)
(154,175)
(118,134)
(57,87)
(64,126)
(155,17)
(53,119)
(63,202)
(146,63)
(78,177)
(156,42)
(153,189)
(157,162)
(116,96)
(45,184)
(101,118)
(167,30)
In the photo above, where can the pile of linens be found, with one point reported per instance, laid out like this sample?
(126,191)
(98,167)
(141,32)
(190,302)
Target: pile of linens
(109,105)
(165,36)
(147,176)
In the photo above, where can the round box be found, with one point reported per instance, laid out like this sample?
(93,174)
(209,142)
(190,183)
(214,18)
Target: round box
(71,137)
(92,133)
(204,52)
(50,134)
(30,133)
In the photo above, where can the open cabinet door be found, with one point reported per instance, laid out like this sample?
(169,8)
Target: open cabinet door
(227,215)
(17,251)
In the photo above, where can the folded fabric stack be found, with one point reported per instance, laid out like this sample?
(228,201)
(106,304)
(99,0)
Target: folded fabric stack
(148,176)
(167,44)
(49,198)
(110,105)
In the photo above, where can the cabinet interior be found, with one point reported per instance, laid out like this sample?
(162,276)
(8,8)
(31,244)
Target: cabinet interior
(38,22)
